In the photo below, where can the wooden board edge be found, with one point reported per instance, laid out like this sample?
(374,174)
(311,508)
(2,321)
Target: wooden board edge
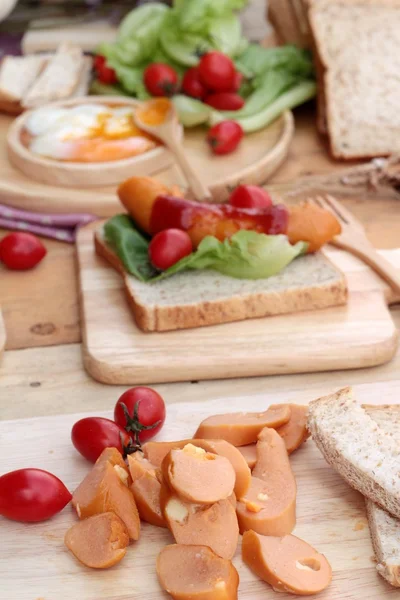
(3,337)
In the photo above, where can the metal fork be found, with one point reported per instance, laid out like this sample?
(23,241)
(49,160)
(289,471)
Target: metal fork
(354,240)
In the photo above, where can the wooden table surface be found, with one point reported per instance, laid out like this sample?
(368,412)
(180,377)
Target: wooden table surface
(40,307)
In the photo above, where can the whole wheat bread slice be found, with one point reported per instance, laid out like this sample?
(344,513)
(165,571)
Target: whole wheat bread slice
(17,75)
(199,298)
(59,79)
(357,43)
(353,443)
(385,529)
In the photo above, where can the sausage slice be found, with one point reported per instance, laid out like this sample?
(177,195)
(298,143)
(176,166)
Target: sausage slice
(196,573)
(240,429)
(198,476)
(295,432)
(287,563)
(98,542)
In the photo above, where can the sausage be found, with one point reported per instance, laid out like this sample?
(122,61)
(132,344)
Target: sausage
(249,453)
(98,542)
(146,491)
(102,491)
(215,526)
(198,476)
(269,507)
(240,429)
(139,466)
(155,452)
(196,573)
(287,563)
(295,432)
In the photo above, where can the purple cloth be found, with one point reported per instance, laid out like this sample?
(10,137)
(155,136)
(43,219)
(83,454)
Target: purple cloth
(58,227)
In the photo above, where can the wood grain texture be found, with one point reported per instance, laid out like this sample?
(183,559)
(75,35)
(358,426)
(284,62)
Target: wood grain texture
(258,156)
(116,351)
(330,515)
(2,335)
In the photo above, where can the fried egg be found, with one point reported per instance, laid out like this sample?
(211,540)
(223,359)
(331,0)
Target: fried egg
(86,133)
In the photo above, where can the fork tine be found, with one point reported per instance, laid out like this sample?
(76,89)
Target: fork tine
(323,202)
(347,216)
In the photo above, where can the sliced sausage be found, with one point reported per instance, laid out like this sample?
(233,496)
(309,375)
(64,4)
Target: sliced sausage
(215,526)
(155,452)
(139,465)
(98,542)
(269,507)
(102,491)
(146,491)
(198,476)
(287,563)
(295,432)
(240,429)
(249,453)
(196,573)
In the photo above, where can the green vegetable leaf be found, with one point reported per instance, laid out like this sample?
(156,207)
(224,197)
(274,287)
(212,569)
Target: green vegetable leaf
(225,33)
(246,255)
(191,112)
(183,48)
(257,60)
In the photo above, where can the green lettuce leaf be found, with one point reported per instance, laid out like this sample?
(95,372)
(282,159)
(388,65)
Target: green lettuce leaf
(191,112)
(246,255)
(256,60)
(225,33)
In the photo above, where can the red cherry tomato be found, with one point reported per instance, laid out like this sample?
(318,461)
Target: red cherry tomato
(92,435)
(168,247)
(192,85)
(224,137)
(160,80)
(238,81)
(21,251)
(106,74)
(225,101)
(250,196)
(32,495)
(98,62)
(217,71)
(141,411)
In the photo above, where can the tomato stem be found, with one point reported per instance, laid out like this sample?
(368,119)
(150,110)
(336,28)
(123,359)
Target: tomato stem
(133,424)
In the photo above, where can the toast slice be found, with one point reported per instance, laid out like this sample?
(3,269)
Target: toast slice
(17,75)
(385,529)
(199,298)
(356,42)
(82,89)
(59,79)
(352,442)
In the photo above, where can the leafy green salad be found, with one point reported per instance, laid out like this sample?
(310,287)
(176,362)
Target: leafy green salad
(274,79)
(246,255)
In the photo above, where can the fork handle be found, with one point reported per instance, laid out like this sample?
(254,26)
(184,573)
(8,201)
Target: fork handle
(378,263)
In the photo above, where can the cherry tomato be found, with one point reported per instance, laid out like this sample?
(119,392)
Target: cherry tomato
(237,82)
(168,247)
(225,101)
(224,137)
(106,74)
(92,435)
(250,196)
(192,85)
(21,251)
(98,62)
(141,411)
(217,71)
(32,495)
(160,80)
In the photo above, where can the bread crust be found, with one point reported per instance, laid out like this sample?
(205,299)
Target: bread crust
(168,318)
(389,572)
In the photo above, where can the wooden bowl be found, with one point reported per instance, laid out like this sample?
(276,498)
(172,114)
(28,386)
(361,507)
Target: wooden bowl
(82,175)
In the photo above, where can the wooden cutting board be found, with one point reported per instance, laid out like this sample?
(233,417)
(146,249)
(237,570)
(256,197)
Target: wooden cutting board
(2,335)
(361,334)
(34,564)
(259,155)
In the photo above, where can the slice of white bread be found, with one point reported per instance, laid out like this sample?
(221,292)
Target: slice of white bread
(200,298)
(385,529)
(82,89)
(353,443)
(17,75)
(59,79)
(357,44)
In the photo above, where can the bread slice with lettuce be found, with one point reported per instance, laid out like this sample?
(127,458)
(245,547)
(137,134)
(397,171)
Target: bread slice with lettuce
(250,276)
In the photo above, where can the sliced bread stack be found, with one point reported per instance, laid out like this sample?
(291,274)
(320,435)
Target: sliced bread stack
(356,47)
(31,81)
(362,443)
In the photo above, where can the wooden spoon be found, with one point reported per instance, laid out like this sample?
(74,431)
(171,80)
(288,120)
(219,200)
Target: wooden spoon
(159,118)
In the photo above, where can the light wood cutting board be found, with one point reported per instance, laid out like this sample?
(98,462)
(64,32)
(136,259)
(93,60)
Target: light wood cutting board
(34,564)
(361,334)
(259,155)
(2,335)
